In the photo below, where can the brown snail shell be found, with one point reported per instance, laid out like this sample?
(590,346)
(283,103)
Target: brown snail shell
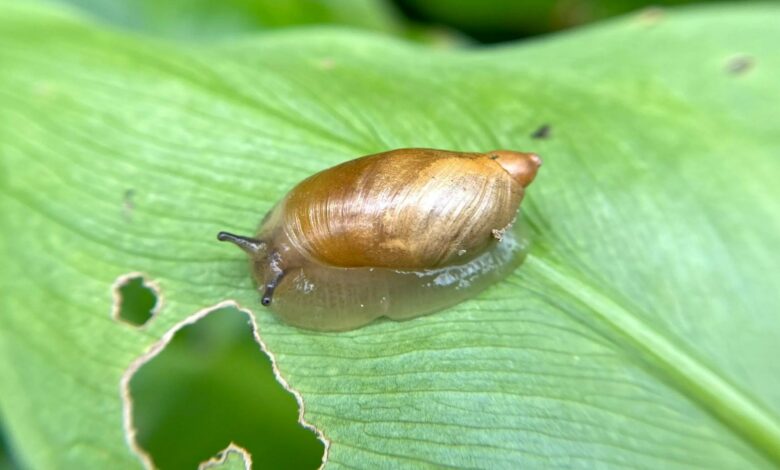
(400,234)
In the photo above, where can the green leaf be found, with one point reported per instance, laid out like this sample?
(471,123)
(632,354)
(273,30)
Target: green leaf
(640,332)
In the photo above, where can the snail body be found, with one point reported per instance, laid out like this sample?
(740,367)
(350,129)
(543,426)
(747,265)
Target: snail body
(397,234)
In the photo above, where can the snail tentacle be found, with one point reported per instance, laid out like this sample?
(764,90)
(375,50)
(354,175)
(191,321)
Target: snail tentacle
(277,274)
(250,245)
(268,293)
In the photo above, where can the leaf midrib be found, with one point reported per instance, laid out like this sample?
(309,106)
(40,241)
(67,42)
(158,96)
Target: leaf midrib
(713,393)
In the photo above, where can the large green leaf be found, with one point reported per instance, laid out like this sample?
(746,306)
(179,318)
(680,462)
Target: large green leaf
(640,332)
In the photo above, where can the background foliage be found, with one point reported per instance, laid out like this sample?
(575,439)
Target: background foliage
(202,20)
(637,334)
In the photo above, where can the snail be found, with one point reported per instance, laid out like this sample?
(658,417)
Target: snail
(398,234)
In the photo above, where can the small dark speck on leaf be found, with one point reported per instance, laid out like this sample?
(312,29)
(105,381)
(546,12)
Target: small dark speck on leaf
(494,157)
(542,133)
(740,64)
(127,204)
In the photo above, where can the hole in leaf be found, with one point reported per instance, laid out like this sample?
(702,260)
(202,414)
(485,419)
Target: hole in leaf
(213,385)
(6,460)
(136,300)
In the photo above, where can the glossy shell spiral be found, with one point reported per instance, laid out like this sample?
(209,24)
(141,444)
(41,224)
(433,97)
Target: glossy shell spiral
(397,234)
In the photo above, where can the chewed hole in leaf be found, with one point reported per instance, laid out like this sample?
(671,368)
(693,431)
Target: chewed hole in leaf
(135,300)
(6,460)
(213,385)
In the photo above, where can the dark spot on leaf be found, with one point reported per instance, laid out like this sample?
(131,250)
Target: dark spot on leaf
(212,385)
(127,204)
(135,301)
(740,64)
(543,132)
(494,157)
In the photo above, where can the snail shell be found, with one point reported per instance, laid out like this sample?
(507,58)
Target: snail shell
(399,234)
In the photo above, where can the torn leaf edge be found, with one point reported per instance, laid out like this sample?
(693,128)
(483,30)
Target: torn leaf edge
(223,455)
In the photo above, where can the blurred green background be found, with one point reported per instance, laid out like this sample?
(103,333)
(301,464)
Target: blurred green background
(202,392)
(445,22)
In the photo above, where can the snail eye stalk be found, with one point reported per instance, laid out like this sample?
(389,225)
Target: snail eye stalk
(248,244)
